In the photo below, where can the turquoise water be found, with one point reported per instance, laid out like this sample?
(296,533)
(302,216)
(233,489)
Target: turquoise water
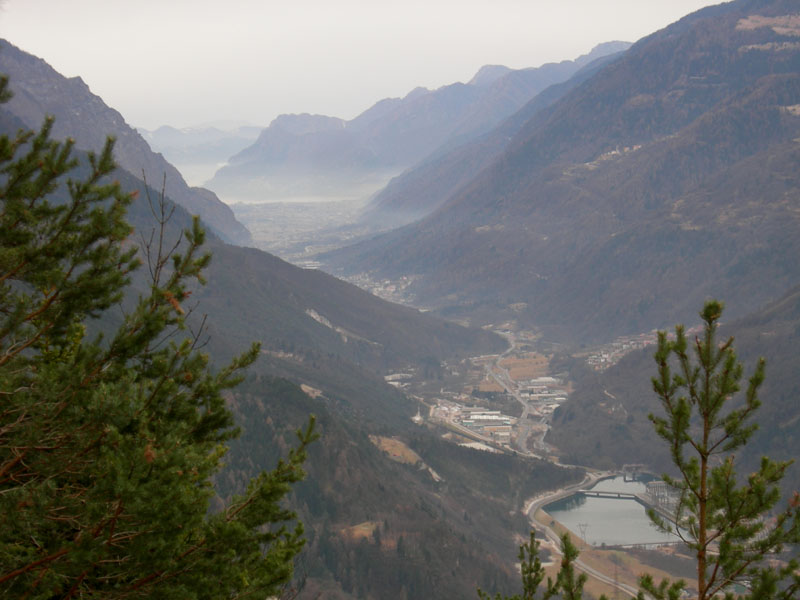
(610,521)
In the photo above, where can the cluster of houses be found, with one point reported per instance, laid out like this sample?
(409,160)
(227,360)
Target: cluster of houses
(610,354)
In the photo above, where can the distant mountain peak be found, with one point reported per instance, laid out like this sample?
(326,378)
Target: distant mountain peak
(300,124)
(313,155)
(79,80)
(166,129)
(601,50)
(489,73)
(416,92)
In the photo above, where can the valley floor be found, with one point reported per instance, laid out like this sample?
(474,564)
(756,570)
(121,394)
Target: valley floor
(495,403)
(503,403)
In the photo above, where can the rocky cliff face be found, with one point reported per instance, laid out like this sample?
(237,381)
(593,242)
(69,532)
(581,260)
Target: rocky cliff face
(39,91)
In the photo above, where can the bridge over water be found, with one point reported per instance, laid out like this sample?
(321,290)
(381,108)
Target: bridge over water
(647,546)
(643,499)
(607,494)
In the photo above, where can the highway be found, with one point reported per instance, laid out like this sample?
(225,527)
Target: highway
(503,379)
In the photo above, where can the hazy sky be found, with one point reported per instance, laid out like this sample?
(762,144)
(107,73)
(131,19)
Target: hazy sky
(191,62)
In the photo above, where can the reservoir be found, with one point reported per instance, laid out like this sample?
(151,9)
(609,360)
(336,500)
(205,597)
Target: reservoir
(610,521)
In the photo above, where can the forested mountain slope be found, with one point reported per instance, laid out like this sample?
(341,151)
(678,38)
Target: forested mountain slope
(251,295)
(339,340)
(39,90)
(350,480)
(379,528)
(421,189)
(668,176)
(605,422)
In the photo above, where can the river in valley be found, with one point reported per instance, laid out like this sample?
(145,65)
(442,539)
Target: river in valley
(610,521)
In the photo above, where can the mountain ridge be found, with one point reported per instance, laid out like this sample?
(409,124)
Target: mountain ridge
(593,216)
(420,190)
(383,140)
(39,90)
(256,296)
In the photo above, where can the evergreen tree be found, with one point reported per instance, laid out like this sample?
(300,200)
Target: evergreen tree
(108,445)
(731,525)
(568,585)
(728,523)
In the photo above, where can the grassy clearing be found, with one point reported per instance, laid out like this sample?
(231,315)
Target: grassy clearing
(488,384)
(396,450)
(360,531)
(526,366)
